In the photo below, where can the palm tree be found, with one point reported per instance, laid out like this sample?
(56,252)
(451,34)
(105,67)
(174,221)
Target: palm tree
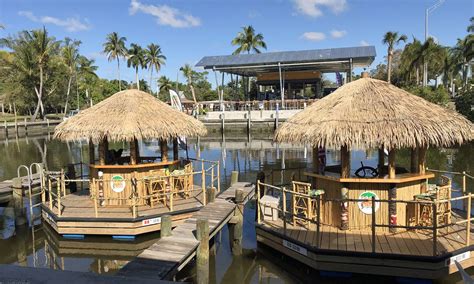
(470,28)
(165,84)
(154,59)
(411,60)
(136,60)
(33,50)
(391,39)
(248,41)
(114,47)
(188,72)
(70,58)
(464,52)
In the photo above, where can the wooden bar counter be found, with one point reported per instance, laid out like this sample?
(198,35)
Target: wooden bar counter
(407,185)
(115,181)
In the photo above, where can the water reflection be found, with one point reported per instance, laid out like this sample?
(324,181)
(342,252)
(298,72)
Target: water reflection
(44,248)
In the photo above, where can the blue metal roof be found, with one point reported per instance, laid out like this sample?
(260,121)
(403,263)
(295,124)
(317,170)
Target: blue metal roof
(361,56)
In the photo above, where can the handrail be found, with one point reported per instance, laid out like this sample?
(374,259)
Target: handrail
(433,203)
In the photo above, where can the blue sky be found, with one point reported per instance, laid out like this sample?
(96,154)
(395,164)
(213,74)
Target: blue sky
(187,30)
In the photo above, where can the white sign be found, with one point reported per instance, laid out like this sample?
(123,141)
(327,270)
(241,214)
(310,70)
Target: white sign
(118,183)
(151,221)
(459,258)
(366,205)
(295,247)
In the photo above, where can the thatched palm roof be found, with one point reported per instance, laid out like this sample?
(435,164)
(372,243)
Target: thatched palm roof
(369,113)
(128,115)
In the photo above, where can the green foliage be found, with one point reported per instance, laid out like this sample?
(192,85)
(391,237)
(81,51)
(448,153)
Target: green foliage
(247,41)
(465,103)
(438,95)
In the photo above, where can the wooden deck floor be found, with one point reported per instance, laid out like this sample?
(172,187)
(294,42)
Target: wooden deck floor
(414,243)
(168,255)
(82,206)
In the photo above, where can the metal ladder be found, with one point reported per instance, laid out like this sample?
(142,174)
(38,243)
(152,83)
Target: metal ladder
(33,217)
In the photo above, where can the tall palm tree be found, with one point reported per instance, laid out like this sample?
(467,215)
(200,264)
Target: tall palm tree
(391,39)
(33,50)
(411,60)
(136,60)
(247,41)
(188,72)
(464,52)
(165,84)
(114,47)
(70,58)
(154,59)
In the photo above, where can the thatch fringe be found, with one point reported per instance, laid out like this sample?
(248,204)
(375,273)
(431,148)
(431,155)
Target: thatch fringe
(128,115)
(370,113)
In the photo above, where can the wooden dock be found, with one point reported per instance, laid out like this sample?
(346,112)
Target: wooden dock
(169,255)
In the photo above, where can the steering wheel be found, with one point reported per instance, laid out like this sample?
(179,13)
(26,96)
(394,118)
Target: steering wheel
(366,172)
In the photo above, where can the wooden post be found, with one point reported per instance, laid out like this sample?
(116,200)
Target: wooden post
(318,220)
(18,205)
(381,161)
(26,127)
(422,160)
(238,225)
(175,149)
(133,152)
(391,163)
(91,152)
(212,194)
(58,193)
(414,161)
(164,150)
(468,225)
(435,228)
(373,224)
(464,190)
(316,165)
(6,128)
(166,225)
(94,198)
(234,177)
(345,162)
(102,151)
(202,254)
(50,195)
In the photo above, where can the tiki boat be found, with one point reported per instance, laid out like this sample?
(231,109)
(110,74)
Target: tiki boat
(126,195)
(386,219)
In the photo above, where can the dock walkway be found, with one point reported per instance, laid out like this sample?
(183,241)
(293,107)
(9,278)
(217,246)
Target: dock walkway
(167,256)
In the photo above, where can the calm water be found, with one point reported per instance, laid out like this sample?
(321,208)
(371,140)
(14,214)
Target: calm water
(44,248)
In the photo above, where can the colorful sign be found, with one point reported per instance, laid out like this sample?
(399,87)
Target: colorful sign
(151,221)
(366,205)
(118,183)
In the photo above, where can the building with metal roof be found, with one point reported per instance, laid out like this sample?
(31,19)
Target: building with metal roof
(323,60)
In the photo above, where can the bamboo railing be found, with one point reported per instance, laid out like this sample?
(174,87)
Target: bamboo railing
(55,187)
(318,223)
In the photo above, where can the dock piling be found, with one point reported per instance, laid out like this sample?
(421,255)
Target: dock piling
(238,221)
(202,254)
(166,225)
(234,177)
(18,205)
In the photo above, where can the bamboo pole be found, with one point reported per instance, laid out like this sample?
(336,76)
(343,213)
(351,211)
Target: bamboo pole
(345,162)
(94,192)
(435,228)
(164,150)
(58,195)
(133,152)
(391,163)
(203,183)
(218,176)
(102,151)
(373,224)
(422,160)
(175,149)
(258,201)
(50,188)
(284,210)
(468,225)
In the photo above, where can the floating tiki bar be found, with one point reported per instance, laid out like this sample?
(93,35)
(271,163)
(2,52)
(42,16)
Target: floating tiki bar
(144,187)
(368,209)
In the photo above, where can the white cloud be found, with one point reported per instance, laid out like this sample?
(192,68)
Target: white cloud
(313,36)
(165,15)
(364,43)
(70,24)
(312,8)
(338,33)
